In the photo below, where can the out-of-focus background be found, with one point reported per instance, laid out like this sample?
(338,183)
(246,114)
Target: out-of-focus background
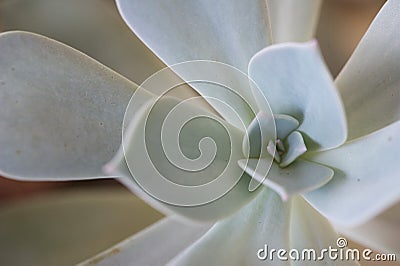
(63,223)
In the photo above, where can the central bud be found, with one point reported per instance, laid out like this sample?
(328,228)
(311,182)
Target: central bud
(272,147)
(276,149)
(284,144)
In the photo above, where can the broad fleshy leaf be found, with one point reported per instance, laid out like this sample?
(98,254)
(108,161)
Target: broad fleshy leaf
(62,111)
(296,82)
(93,27)
(370,81)
(293,20)
(156,245)
(366,179)
(150,167)
(98,31)
(236,241)
(380,233)
(230,32)
(297,178)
